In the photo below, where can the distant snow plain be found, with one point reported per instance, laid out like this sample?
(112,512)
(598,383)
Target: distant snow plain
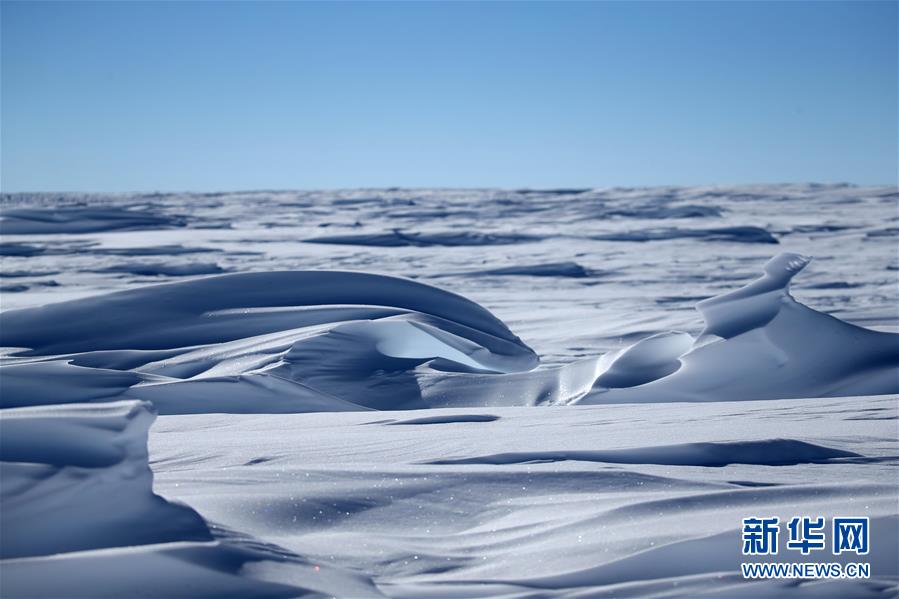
(452,452)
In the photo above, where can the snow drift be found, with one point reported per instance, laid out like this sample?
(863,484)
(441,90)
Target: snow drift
(760,343)
(257,342)
(86,484)
(80,519)
(397,238)
(84,219)
(769,452)
(329,340)
(640,498)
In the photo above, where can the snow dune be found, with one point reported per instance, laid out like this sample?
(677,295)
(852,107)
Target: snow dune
(288,341)
(447,419)
(552,269)
(229,307)
(157,269)
(399,238)
(735,234)
(158,250)
(96,458)
(475,496)
(80,519)
(84,219)
(770,452)
(760,343)
(22,250)
(328,340)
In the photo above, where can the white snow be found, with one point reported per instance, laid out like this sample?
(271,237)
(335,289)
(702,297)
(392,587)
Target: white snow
(388,392)
(553,501)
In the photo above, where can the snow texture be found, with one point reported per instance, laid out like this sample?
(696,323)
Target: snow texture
(397,392)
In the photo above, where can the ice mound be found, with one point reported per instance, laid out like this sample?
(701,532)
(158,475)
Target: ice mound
(83,219)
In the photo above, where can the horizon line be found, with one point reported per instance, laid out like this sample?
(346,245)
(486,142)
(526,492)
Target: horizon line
(571,189)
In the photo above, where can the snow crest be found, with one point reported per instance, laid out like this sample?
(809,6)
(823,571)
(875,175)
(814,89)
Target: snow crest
(760,343)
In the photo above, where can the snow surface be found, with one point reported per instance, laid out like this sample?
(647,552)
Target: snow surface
(468,303)
(430,511)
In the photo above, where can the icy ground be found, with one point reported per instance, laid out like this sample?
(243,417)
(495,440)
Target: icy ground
(636,499)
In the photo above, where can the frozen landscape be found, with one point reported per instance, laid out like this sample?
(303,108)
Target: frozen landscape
(443,393)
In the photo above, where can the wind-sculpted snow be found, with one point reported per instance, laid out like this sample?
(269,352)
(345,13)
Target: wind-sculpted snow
(512,491)
(373,496)
(325,340)
(161,250)
(13,288)
(80,519)
(737,234)
(255,342)
(771,452)
(448,419)
(14,274)
(23,250)
(229,307)
(158,269)
(398,238)
(683,233)
(661,211)
(95,457)
(760,343)
(83,219)
(553,269)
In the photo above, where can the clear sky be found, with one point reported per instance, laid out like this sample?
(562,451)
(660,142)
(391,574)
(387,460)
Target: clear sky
(121,96)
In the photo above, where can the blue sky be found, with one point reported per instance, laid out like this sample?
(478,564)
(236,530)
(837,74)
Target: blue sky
(123,96)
